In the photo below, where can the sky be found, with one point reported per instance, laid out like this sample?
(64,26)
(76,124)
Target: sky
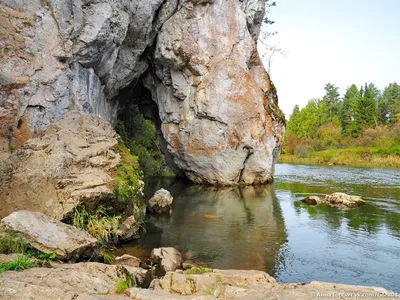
(340,41)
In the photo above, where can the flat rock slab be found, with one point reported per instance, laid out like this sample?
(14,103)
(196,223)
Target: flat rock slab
(49,235)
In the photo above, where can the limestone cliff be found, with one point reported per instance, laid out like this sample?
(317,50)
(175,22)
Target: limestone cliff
(191,65)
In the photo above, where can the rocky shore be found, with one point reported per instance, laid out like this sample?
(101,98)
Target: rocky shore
(78,271)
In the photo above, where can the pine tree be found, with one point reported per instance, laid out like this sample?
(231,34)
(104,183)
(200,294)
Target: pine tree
(366,109)
(391,103)
(332,97)
(348,112)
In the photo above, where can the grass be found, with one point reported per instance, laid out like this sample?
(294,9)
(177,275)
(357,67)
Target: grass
(357,156)
(108,258)
(126,184)
(20,263)
(101,226)
(122,285)
(197,271)
(10,244)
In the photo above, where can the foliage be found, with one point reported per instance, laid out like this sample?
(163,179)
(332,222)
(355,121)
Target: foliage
(108,258)
(99,224)
(364,118)
(197,270)
(121,286)
(10,244)
(20,263)
(140,137)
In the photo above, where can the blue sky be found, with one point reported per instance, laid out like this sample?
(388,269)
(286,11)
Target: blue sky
(341,41)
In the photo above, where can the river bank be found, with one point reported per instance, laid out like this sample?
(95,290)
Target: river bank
(91,281)
(354,157)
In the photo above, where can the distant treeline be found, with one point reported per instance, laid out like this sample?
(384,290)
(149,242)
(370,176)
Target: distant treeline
(365,117)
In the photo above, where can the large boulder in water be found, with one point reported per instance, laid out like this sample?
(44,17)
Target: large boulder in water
(161,202)
(49,235)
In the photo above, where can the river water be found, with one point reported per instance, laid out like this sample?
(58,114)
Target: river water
(267,228)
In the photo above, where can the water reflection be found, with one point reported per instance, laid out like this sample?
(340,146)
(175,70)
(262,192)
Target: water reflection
(267,228)
(237,227)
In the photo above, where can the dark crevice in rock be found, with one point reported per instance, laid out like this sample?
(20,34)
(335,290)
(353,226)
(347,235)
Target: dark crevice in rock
(250,152)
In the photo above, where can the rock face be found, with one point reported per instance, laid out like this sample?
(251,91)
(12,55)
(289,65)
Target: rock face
(337,200)
(49,235)
(214,105)
(161,202)
(72,163)
(166,259)
(217,105)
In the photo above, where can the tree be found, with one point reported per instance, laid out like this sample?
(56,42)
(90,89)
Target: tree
(366,109)
(390,103)
(333,97)
(348,112)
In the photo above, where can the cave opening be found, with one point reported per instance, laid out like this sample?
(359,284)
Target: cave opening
(139,126)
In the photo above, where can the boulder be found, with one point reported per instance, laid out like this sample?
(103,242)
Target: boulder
(49,235)
(166,259)
(343,201)
(64,281)
(312,200)
(161,202)
(67,165)
(129,229)
(129,260)
(191,284)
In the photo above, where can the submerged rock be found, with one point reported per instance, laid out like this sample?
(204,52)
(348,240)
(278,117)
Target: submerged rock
(49,235)
(337,200)
(166,259)
(161,202)
(312,200)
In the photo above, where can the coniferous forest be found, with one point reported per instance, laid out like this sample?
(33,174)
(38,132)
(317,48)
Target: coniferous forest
(361,127)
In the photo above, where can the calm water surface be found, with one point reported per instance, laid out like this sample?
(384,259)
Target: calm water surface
(267,228)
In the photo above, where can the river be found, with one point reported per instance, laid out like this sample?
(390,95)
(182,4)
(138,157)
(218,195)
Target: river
(267,228)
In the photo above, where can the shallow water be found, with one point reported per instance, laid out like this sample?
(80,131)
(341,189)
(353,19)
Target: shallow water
(267,228)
